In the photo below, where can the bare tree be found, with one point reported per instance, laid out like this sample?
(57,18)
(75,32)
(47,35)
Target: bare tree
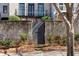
(69,22)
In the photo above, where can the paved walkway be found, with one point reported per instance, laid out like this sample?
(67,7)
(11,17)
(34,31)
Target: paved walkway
(40,53)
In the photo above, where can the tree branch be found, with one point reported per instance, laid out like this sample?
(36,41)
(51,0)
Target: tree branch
(63,17)
(69,13)
(72,5)
(77,15)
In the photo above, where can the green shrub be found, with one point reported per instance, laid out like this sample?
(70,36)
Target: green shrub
(63,41)
(76,36)
(23,36)
(59,40)
(49,39)
(14,18)
(7,42)
(46,18)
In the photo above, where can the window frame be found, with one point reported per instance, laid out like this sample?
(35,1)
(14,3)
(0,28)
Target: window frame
(5,9)
(22,9)
(40,4)
(61,6)
(31,9)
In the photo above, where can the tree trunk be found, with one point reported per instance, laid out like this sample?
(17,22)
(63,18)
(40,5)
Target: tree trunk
(70,41)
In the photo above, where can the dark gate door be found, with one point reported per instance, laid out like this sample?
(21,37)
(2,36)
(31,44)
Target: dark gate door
(40,34)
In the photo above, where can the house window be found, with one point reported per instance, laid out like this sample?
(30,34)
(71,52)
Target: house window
(61,6)
(40,9)
(21,9)
(30,9)
(4,9)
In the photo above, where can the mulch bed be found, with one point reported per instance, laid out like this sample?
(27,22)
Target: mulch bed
(32,47)
(58,48)
(54,48)
(23,48)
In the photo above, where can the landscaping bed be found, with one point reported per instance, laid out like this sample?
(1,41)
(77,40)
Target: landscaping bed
(17,49)
(32,48)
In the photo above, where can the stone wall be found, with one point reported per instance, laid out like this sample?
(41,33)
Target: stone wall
(13,29)
(59,28)
(55,28)
(9,29)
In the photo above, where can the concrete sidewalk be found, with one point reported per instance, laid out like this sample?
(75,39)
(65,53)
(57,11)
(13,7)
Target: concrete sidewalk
(40,53)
